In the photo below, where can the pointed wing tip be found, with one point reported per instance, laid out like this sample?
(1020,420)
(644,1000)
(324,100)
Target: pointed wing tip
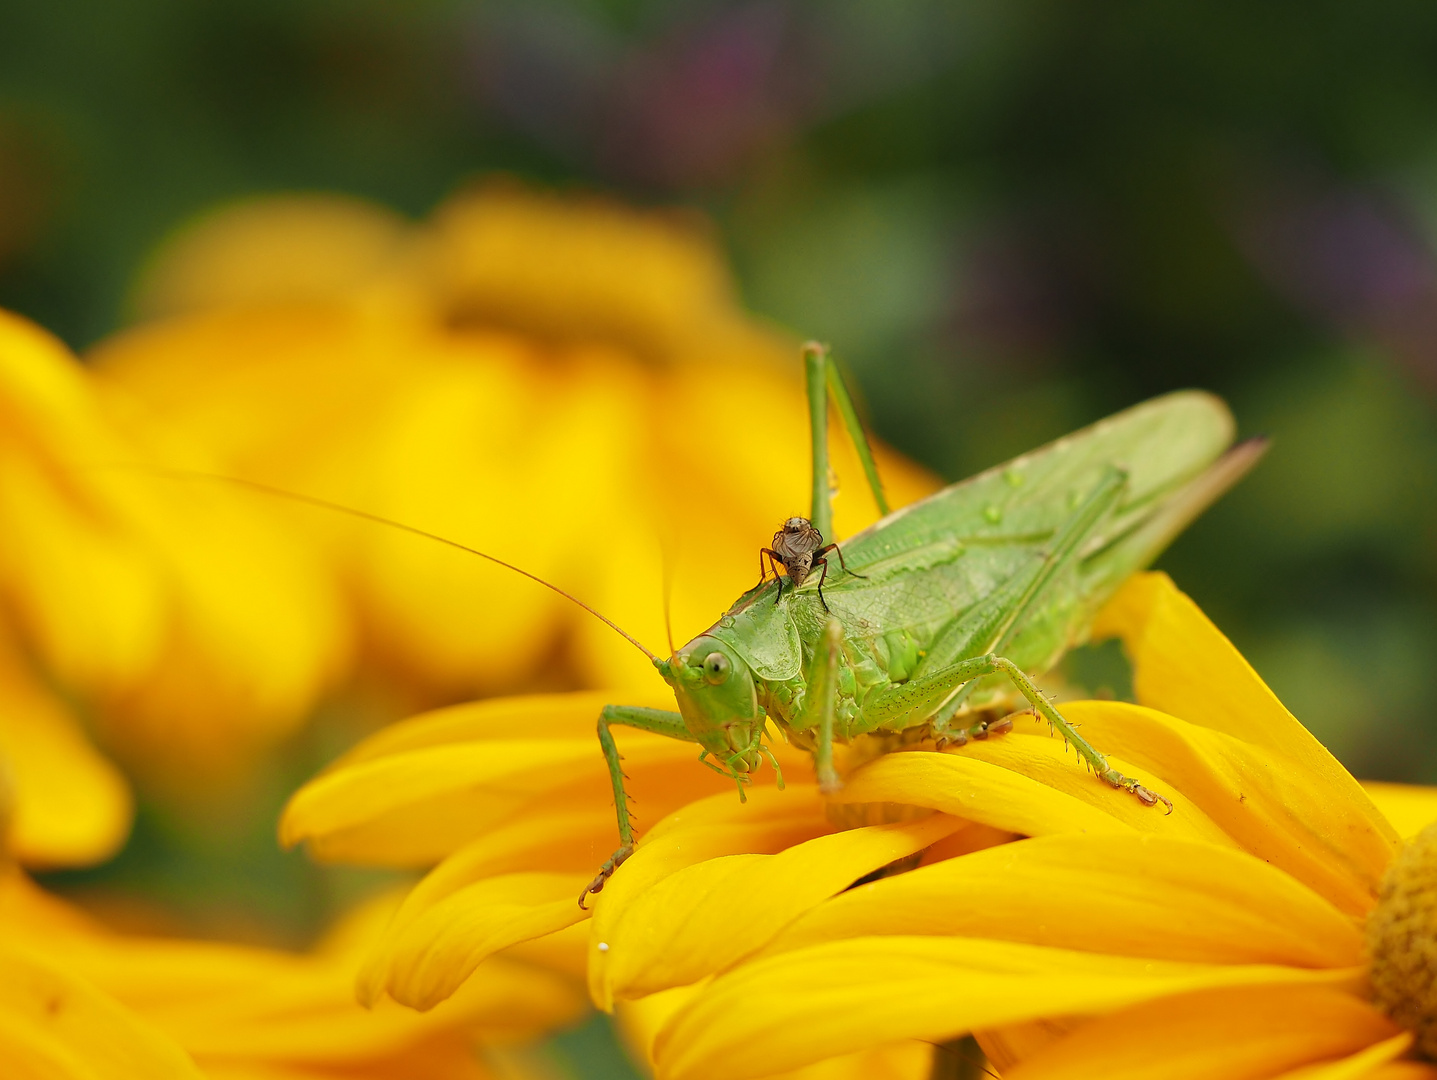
(1237,460)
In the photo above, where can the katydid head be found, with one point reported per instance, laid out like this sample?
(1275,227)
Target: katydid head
(718,700)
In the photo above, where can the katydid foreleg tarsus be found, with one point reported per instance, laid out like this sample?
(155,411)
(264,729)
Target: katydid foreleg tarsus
(659,722)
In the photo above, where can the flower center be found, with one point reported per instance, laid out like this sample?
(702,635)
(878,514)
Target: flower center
(1402,941)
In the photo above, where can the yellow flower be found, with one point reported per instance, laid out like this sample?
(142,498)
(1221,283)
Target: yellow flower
(56,1025)
(734,932)
(188,624)
(79,1001)
(565,383)
(64,804)
(1225,940)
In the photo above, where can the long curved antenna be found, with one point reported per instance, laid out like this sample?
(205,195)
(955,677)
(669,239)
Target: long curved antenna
(365,515)
(669,601)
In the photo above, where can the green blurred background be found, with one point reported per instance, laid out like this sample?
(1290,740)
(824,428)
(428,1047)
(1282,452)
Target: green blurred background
(1009,217)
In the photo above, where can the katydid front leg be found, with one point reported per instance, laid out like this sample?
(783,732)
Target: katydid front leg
(820,707)
(891,704)
(658,721)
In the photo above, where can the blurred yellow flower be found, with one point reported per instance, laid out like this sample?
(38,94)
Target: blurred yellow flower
(565,383)
(81,1001)
(65,804)
(186,622)
(734,932)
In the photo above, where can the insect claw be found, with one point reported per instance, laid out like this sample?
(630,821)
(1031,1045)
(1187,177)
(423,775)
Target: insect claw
(1151,798)
(614,861)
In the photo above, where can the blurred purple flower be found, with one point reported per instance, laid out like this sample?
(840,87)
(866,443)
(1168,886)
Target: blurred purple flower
(688,105)
(697,95)
(1352,259)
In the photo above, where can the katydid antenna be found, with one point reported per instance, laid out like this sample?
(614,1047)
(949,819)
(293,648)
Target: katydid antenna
(379,519)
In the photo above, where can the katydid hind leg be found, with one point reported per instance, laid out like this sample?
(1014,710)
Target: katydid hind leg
(658,721)
(1097,760)
(823,379)
(843,404)
(1062,551)
(933,690)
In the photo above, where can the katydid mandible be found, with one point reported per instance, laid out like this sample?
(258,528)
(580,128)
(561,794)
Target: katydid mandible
(943,608)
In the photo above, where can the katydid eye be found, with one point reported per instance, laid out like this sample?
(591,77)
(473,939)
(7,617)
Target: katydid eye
(716,667)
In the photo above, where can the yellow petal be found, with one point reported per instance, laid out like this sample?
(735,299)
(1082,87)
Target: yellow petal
(641,1020)
(1238,1033)
(1393,1070)
(145,599)
(900,1061)
(414,808)
(1008,1044)
(567,446)
(290,1009)
(988,794)
(1376,1061)
(1126,895)
(1185,667)
(258,632)
(1032,750)
(1409,807)
(228,1004)
(796,1008)
(1270,805)
(585,269)
(556,716)
(577,841)
(707,916)
(414,793)
(100,615)
(71,807)
(285,248)
(55,1025)
(767,806)
(433,954)
(713,828)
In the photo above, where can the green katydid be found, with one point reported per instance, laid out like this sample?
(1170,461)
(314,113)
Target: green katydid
(939,610)
(936,605)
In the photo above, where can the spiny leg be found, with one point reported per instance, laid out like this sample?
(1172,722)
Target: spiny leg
(980,729)
(927,693)
(656,720)
(1089,753)
(1063,550)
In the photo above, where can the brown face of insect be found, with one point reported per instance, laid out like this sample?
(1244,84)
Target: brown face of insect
(795,545)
